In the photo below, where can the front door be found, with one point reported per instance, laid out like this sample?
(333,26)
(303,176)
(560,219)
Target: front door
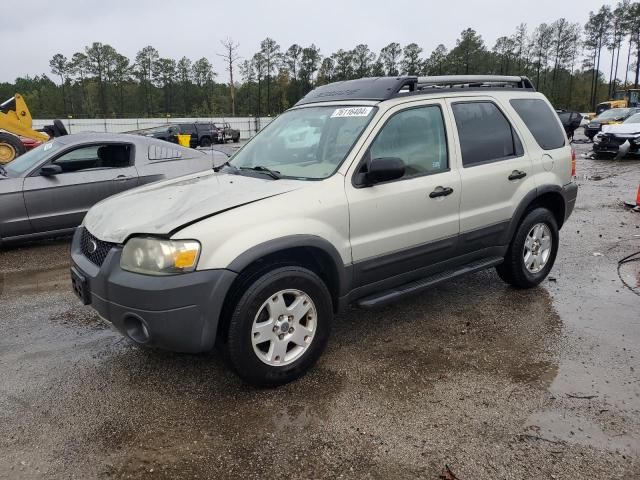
(89,173)
(400,226)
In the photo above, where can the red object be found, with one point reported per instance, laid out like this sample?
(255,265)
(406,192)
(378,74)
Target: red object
(638,197)
(573,162)
(30,143)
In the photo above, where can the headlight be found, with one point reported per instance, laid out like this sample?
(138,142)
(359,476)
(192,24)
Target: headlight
(156,256)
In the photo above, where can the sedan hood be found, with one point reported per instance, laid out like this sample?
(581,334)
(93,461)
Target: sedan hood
(622,128)
(164,207)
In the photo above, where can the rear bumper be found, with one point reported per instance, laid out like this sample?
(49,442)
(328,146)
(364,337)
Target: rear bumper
(570,195)
(173,312)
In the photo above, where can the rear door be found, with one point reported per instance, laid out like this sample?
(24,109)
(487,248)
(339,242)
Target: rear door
(90,173)
(496,171)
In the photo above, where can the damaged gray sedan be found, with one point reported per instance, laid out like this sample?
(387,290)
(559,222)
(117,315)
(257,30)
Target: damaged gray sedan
(47,191)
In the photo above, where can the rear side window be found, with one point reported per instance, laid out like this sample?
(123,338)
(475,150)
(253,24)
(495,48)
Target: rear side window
(541,121)
(485,133)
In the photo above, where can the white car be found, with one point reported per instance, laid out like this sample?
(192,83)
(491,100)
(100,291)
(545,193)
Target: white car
(411,181)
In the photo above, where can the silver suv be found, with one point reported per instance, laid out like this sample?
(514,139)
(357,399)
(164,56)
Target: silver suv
(366,191)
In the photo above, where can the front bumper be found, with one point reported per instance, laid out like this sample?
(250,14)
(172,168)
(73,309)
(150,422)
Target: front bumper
(612,145)
(592,131)
(173,312)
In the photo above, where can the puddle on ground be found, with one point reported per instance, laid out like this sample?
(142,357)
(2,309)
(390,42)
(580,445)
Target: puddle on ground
(29,282)
(560,426)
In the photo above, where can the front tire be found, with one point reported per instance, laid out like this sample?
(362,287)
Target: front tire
(279,327)
(205,142)
(533,250)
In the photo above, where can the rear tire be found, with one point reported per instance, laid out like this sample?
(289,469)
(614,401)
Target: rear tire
(10,148)
(236,139)
(279,327)
(532,251)
(205,142)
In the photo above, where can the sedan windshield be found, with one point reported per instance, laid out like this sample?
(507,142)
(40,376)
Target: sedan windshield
(614,113)
(26,162)
(306,143)
(633,119)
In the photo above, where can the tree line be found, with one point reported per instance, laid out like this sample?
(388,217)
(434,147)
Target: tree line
(564,60)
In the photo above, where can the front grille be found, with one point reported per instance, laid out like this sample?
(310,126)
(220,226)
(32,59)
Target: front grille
(92,248)
(612,139)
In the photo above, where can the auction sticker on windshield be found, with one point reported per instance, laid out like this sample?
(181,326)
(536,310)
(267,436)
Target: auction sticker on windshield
(351,112)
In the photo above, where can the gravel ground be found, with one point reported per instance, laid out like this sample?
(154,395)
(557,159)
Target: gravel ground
(487,380)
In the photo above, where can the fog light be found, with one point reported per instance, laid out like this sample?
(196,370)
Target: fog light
(136,329)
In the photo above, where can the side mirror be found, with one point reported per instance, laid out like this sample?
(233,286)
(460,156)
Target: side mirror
(50,170)
(384,169)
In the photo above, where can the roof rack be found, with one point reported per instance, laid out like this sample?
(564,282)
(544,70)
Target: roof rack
(375,88)
(474,81)
(383,88)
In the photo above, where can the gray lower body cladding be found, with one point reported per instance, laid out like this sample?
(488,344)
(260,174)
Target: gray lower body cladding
(176,312)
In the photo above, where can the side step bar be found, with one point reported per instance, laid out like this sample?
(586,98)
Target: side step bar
(418,286)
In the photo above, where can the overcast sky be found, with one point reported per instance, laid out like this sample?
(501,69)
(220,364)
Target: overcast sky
(38,29)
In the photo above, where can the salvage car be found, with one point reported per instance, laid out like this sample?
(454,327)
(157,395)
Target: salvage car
(608,117)
(410,182)
(47,191)
(570,121)
(202,134)
(225,133)
(619,140)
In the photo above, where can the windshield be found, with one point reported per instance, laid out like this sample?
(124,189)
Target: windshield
(633,119)
(27,161)
(614,113)
(306,143)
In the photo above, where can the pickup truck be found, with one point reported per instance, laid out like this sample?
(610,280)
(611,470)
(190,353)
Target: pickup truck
(202,134)
(225,133)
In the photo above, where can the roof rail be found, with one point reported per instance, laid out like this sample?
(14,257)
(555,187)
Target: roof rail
(375,88)
(475,81)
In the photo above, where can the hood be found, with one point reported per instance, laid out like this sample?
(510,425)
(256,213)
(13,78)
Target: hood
(622,128)
(163,207)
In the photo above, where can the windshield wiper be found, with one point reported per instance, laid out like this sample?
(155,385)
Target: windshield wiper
(259,168)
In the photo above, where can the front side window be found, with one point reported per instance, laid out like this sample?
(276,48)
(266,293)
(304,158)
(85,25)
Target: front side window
(94,157)
(485,133)
(306,143)
(417,137)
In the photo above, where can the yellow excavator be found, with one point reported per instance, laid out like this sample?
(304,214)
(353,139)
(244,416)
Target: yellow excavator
(621,99)
(16,123)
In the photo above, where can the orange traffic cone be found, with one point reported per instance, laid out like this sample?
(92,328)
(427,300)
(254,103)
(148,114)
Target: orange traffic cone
(636,205)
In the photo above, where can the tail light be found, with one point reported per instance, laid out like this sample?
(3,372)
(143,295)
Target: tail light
(573,162)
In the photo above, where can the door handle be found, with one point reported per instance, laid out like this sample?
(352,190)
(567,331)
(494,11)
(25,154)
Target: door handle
(441,192)
(122,178)
(517,175)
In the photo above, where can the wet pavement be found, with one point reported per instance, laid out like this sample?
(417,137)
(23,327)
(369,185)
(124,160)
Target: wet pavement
(491,381)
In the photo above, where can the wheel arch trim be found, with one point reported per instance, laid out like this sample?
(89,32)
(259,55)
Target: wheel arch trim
(524,204)
(283,244)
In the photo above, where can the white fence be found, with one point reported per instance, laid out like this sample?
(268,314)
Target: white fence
(248,126)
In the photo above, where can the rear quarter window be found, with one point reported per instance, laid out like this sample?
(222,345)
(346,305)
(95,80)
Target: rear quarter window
(541,121)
